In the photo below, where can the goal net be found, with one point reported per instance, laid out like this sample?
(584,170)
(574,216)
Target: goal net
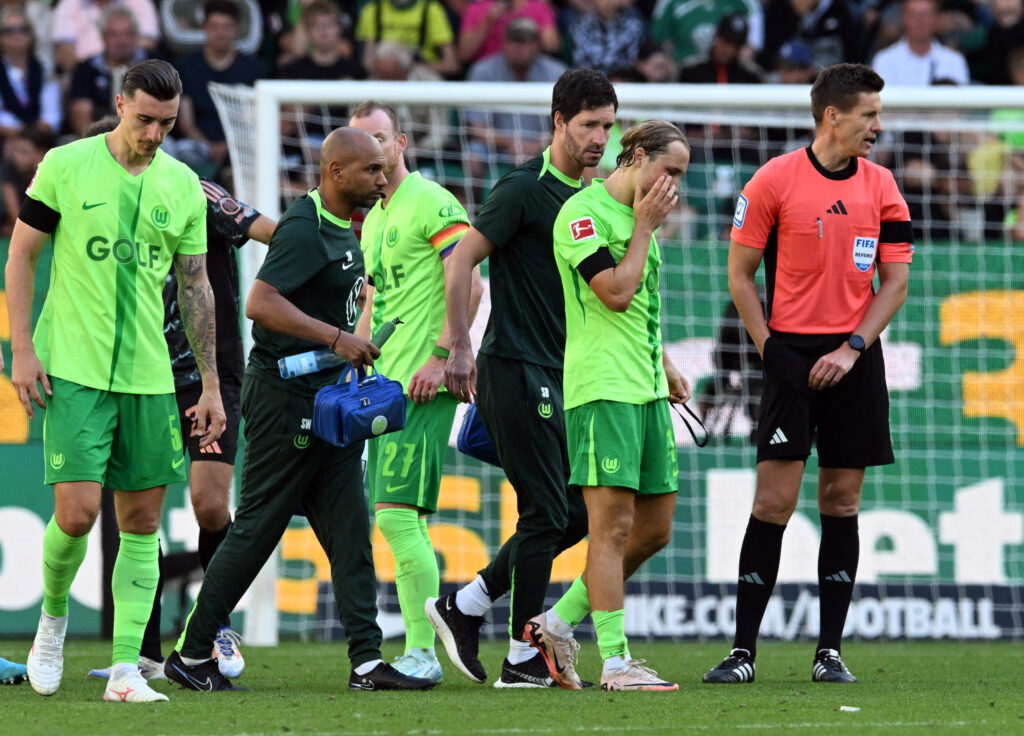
(942,530)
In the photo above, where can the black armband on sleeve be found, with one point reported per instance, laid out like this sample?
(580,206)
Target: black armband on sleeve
(36,214)
(369,280)
(592,265)
(896,232)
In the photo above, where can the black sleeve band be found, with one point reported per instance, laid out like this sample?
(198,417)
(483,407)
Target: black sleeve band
(595,263)
(896,232)
(36,214)
(369,280)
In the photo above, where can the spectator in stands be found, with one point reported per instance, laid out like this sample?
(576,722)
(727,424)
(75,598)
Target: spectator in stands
(654,64)
(321,26)
(1006,33)
(512,136)
(723,65)
(296,42)
(918,59)
(23,151)
(794,64)
(28,97)
(96,82)
(484,23)
(686,28)
(426,126)
(40,17)
(76,30)
(609,37)
(217,61)
(421,25)
(828,27)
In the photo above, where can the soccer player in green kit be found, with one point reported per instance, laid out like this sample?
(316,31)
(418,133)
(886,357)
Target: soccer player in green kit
(407,238)
(618,385)
(120,212)
(520,370)
(305,296)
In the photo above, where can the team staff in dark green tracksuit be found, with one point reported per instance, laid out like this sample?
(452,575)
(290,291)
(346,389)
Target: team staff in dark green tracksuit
(305,296)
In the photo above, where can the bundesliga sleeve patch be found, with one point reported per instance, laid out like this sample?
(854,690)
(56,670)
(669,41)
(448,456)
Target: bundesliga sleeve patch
(741,212)
(583,229)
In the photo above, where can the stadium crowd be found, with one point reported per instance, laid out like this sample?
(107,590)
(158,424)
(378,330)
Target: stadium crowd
(64,61)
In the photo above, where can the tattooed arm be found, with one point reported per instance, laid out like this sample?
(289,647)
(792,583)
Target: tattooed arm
(195,301)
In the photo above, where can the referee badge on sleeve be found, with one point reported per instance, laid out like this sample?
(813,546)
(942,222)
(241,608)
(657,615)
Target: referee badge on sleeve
(864,250)
(582,229)
(741,212)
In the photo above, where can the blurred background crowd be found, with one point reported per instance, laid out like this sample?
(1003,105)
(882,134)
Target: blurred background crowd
(63,62)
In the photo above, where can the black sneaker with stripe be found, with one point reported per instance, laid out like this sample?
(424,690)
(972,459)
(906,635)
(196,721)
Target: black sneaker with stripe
(460,634)
(829,667)
(204,677)
(737,667)
(386,677)
(531,673)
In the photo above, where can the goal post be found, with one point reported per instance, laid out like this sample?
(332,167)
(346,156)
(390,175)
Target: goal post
(942,530)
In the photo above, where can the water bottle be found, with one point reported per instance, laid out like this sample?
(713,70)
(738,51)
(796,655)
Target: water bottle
(315,361)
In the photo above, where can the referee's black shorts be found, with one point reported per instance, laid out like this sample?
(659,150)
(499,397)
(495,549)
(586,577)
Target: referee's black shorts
(224,449)
(849,420)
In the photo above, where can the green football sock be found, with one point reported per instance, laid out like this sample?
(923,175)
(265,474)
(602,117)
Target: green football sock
(416,574)
(611,633)
(62,556)
(133,584)
(574,606)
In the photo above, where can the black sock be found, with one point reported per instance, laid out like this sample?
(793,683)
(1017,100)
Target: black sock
(837,570)
(208,544)
(759,568)
(151,638)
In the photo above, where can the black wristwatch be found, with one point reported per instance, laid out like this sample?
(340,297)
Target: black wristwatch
(857,343)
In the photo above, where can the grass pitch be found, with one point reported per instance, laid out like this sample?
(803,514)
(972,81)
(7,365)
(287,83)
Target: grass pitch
(302,688)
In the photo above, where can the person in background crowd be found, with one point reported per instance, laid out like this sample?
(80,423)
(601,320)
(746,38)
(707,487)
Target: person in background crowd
(685,29)
(609,37)
(918,59)
(421,25)
(724,64)
(828,27)
(96,82)
(484,23)
(76,28)
(27,95)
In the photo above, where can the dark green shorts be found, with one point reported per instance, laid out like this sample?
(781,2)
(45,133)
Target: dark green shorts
(405,466)
(623,445)
(128,442)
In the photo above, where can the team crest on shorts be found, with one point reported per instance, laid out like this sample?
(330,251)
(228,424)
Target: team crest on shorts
(864,250)
(583,229)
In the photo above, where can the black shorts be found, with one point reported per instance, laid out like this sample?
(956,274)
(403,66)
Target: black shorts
(225,448)
(850,420)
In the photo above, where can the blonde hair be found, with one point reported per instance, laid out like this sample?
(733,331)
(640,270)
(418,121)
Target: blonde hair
(654,136)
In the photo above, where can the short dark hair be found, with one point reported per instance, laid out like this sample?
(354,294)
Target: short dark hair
(840,85)
(224,7)
(654,136)
(155,77)
(578,90)
(369,107)
(104,125)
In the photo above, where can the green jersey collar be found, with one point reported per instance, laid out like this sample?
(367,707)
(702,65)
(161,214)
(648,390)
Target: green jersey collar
(548,166)
(322,212)
(612,202)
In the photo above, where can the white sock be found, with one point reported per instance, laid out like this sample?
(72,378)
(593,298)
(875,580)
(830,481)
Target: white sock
(614,663)
(366,667)
(192,662)
(123,668)
(60,623)
(556,625)
(472,599)
(520,651)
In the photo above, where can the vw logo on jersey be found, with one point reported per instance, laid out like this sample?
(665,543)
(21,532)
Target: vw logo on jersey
(160,216)
(864,250)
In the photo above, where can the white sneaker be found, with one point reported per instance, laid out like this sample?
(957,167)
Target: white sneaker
(126,685)
(419,663)
(46,660)
(150,669)
(634,676)
(230,661)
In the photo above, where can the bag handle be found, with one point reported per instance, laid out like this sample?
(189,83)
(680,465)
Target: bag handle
(689,428)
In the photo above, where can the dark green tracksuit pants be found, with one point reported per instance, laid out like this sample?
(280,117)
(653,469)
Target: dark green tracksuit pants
(285,465)
(521,405)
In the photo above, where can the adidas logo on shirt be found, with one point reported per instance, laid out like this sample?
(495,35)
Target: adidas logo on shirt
(838,208)
(779,438)
(839,577)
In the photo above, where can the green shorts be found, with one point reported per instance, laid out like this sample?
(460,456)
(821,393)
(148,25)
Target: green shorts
(405,466)
(128,442)
(624,445)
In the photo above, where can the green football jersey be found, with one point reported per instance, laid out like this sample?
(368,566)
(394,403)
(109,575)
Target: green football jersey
(611,356)
(403,244)
(315,262)
(527,320)
(102,324)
